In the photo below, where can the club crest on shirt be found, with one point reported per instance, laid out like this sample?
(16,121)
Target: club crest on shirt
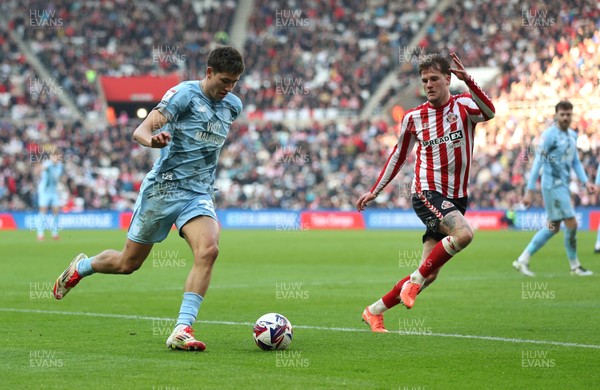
(446,205)
(425,126)
(451,117)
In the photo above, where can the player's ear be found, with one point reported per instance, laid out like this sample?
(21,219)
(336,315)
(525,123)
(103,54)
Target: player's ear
(209,72)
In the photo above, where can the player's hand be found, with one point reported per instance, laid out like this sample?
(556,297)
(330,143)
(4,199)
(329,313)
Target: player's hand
(459,71)
(364,199)
(591,188)
(160,140)
(527,199)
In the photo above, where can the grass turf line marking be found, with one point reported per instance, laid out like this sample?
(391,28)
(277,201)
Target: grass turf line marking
(450,335)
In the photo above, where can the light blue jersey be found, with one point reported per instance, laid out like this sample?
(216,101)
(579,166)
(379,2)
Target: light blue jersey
(198,126)
(50,177)
(598,176)
(556,155)
(180,185)
(48,184)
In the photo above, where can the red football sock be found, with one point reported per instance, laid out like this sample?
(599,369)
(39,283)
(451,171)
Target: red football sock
(441,253)
(392,298)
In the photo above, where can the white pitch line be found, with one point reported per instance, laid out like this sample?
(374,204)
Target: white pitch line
(450,335)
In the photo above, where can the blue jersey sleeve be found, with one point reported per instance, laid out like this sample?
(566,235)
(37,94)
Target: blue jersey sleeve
(579,168)
(576,163)
(541,153)
(237,107)
(174,101)
(598,175)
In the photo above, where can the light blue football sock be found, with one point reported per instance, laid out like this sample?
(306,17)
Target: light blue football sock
(538,241)
(598,239)
(84,267)
(54,225)
(189,308)
(39,223)
(571,246)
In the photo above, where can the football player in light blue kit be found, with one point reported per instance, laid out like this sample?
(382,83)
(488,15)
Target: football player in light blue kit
(190,125)
(556,155)
(48,196)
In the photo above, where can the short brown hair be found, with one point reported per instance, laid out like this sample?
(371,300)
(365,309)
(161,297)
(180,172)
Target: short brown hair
(435,61)
(563,105)
(226,59)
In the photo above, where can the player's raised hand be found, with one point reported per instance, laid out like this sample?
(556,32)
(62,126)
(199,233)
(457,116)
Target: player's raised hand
(459,71)
(160,140)
(365,198)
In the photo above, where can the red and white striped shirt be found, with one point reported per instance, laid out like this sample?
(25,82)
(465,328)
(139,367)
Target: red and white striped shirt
(444,137)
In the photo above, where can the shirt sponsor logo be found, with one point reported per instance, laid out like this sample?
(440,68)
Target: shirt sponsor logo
(454,136)
(213,127)
(211,138)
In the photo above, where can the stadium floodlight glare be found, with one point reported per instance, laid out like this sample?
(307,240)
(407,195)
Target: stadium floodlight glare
(142,113)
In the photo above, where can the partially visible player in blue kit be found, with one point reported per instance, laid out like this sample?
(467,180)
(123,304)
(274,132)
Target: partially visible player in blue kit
(597,246)
(190,126)
(556,155)
(48,196)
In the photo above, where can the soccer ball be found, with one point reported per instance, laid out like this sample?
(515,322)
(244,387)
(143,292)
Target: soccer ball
(272,331)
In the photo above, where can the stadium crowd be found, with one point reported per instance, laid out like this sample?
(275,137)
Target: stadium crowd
(79,40)
(279,165)
(335,51)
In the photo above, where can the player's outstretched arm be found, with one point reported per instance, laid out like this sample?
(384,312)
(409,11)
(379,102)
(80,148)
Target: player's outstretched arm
(144,132)
(406,141)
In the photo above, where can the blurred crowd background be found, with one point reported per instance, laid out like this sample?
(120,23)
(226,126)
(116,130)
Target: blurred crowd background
(339,51)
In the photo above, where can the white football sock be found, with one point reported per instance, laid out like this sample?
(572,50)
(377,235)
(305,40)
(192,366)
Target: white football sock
(524,258)
(417,278)
(574,263)
(378,307)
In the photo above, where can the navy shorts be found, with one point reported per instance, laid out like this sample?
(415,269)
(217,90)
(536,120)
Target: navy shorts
(431,207)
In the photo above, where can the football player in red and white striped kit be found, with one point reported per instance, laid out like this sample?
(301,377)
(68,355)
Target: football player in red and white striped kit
(443,129)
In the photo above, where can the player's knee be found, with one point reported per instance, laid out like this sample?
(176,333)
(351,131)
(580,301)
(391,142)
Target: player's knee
(554,227)
(463,237)
(208,254)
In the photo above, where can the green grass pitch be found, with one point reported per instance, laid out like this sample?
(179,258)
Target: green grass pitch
(480,326)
